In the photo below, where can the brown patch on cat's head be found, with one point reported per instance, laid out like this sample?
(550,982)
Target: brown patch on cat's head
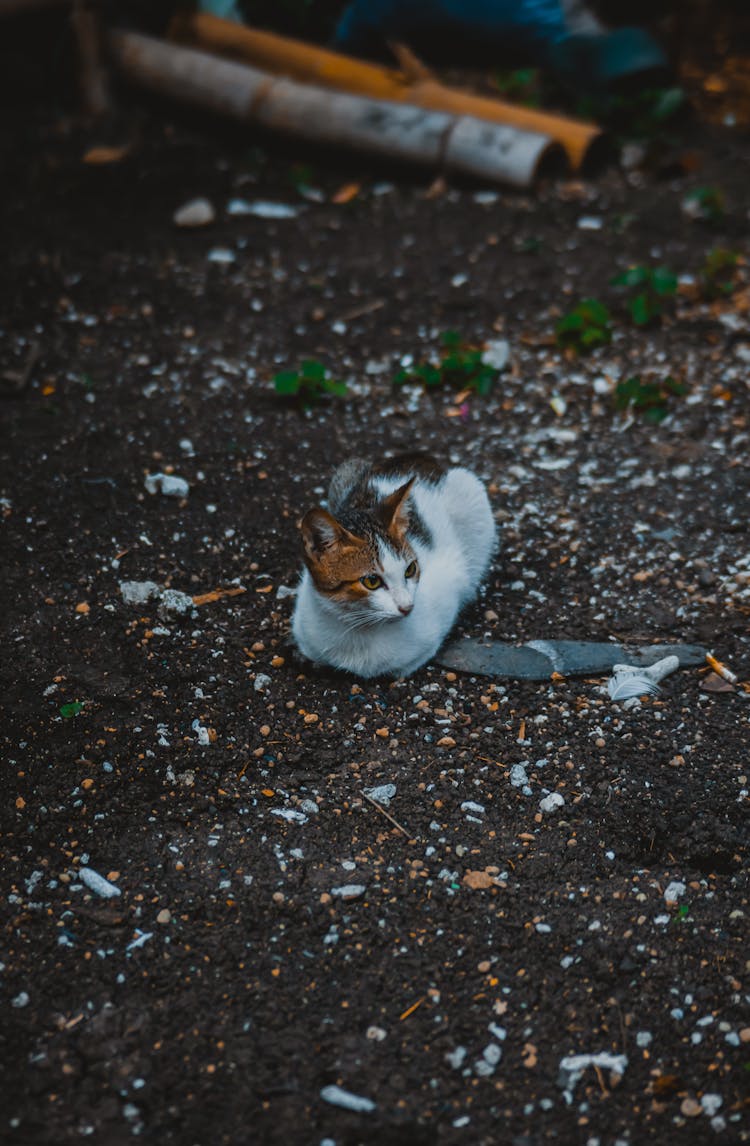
(393,512)
(335,557)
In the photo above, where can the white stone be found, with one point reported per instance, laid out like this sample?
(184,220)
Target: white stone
(169,485)
(197,213)
(552,802)
(346,1100)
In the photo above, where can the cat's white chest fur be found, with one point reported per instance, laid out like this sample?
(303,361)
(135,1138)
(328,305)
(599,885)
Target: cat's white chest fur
(452,546)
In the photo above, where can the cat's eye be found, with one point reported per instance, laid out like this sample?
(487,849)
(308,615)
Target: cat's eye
(371,581)
(410,570)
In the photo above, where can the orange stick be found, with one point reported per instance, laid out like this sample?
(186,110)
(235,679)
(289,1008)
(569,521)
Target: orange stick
(310,64)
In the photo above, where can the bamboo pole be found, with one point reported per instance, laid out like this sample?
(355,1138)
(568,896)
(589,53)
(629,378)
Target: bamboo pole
(310,64)
(397,130)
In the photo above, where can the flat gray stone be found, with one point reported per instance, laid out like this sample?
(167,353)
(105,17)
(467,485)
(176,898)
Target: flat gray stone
(537,660)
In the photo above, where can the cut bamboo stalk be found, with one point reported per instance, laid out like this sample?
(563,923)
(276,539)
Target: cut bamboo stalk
(311,64)
(397,130)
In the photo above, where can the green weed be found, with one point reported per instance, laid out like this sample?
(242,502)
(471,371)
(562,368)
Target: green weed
(586,326)
(649,289)
(460,366)
(718,275)
(648,397)
(309,383)
(707,203)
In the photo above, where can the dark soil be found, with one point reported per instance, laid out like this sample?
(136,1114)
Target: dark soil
(232,979)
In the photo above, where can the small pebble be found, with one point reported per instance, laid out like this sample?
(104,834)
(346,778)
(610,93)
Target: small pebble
(164,916)
(195,213)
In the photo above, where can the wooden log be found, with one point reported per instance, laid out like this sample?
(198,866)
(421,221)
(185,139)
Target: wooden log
(285,56)
(399,131)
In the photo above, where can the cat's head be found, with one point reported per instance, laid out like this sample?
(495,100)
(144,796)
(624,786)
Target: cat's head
(368,565)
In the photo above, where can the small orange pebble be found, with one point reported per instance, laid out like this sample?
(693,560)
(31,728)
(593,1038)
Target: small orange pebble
(383,733)
(20,803)
(268,792)
(48,389)
(276,972)
(113,876)
(83,607)
(312,718)
(277,662)
(446,742)
(258,647)
(265,730)
(346,193)
(87,783)
(451,676)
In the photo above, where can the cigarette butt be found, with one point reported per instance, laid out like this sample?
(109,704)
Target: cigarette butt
(721,669)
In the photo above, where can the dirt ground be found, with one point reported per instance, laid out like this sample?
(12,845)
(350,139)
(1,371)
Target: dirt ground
(278,930)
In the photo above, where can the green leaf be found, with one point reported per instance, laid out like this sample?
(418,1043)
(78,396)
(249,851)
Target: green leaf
(69,710)
(313,371)
(643,310)
(632,277)
(450,338)
(287,382)
(339,389)
(664,281)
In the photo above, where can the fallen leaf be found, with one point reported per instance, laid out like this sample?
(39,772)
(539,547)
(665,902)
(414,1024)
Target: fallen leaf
(217,594)
(712,682)
(346,193)
(101,156)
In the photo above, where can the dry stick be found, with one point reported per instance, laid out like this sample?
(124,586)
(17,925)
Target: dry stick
(388,816)
(438,139)
(94,82)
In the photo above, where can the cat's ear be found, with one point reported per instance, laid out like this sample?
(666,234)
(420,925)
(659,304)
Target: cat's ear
(321,532)
(393,511)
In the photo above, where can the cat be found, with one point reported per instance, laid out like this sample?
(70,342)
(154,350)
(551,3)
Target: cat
(401,548)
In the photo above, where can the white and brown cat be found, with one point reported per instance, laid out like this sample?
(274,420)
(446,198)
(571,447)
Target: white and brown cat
(401,548)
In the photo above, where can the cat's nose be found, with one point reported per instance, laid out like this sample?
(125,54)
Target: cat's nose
(404,610)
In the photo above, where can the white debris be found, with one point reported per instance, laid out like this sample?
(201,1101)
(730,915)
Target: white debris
(141,938)
(309,807)
(590,223)
(262,681)
(262,209)
(346,1100)
(169,485)
(197,213)
(22,999)
(551,802)
(138,592)
(470,806)
(285,591)
(674,891)
(492,1054)
(496,353)
(382,794)
(644,1039)
(98,884)
(456,1057)
(290,814)
(630,681)
(221,255)
(173,601)
(518,777)
(573,1066)
(711,1103)
(349,891)
(376,1034)
(203,735)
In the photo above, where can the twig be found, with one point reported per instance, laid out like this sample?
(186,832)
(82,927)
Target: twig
(388,816)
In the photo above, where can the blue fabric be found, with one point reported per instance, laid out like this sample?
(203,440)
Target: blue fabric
(499,28)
